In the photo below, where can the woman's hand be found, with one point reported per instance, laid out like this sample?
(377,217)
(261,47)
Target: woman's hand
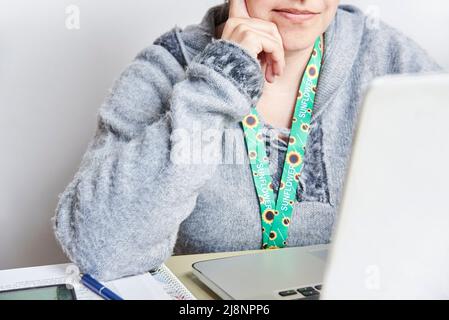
(259,37)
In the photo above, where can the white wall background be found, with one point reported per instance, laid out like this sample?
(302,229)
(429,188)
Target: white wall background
(52,81)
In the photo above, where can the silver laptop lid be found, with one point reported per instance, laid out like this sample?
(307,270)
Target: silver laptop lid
(392,239)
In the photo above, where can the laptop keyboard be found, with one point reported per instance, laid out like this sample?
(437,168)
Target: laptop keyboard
(312,292)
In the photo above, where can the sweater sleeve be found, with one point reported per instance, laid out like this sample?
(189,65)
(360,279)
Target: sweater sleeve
(141,174)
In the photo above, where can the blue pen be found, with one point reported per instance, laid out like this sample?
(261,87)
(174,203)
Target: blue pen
(98,288)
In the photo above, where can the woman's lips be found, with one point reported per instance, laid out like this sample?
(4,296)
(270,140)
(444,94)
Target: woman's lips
(295,15)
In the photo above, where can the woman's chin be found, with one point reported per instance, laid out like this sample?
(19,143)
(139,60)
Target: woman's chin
(298,44)
(294,39)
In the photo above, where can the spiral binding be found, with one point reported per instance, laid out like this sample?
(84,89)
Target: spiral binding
(171,284)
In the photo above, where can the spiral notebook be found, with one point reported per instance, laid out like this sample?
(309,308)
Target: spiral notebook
(61,282)
(171,284)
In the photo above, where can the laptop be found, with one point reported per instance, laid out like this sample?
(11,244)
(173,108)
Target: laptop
(391,240)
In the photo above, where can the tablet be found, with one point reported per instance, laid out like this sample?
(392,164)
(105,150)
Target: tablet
(53,292)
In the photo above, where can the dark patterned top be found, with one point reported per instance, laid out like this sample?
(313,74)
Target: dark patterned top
(311,185)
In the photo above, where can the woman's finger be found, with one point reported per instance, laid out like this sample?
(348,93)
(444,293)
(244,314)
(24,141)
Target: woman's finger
(247,26)
(269,76)
(258,24)
(274,51)
(238,9)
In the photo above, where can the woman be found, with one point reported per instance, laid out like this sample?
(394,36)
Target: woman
(168,170)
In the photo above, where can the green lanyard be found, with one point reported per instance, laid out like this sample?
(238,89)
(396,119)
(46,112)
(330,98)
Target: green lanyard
(276,217)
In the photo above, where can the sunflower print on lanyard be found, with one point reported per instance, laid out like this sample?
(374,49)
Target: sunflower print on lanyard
(276,217)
